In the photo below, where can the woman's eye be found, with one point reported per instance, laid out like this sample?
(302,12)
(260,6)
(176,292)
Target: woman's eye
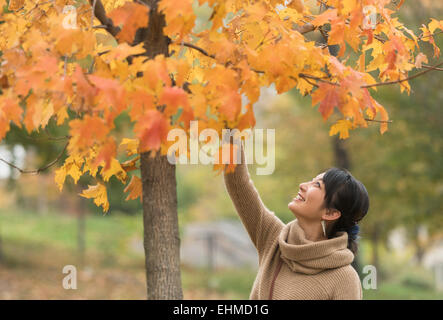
(318,183)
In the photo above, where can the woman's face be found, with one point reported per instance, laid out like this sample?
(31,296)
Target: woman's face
(308,204)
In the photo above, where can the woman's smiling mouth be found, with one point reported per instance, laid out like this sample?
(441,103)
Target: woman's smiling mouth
(299,197)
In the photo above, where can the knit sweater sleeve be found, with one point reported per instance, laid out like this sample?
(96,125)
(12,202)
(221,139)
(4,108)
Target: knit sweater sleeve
(349,286)
(261,224)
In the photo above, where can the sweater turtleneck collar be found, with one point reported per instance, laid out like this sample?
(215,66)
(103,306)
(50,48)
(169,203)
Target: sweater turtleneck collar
(312,257)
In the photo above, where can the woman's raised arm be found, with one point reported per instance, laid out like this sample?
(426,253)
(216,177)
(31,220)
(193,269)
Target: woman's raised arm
(261,224)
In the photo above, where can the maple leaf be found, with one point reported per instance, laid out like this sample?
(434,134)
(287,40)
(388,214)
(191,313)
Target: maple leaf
(342,127)
(121,51)
(130,146)
(179,16)
(420,59)
(15,4)
(115,169)
(86,132)
(83,88)
(134,188)
(323,18)
(140,102)
(328,97)
(9,111)
(98,193)
(230,105)
(71,167)
(130,165)
(297,5)
(113,95)
(131,16)
(173,97)
(247,120)
(151,129)
(106,154)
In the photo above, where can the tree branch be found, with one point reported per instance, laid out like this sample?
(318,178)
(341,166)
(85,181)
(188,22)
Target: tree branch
(430,68)
(100,14)
(304,28)
(307,76)
(40,169)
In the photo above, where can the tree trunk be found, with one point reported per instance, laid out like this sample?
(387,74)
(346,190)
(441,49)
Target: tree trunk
(419,250)
(341,153)
(342,160)
(160,219)
(161,233)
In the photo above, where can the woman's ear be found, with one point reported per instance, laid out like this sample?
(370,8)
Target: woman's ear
(331,214)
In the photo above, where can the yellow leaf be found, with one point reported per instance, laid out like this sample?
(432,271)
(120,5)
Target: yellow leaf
(98,193)
(114,170)
(74,171)
(60,176)
(62,115)
(134,188)
(130,145)
(342,127)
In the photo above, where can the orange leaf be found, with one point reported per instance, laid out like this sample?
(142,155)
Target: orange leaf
(9,111)
(86,132)
(325,17)
(328,95)
(173,97)
(230,105)
(131,16)
(106,153)
(134,188)
(151,129)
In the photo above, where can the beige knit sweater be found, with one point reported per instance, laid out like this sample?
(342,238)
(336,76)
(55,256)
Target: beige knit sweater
(290,266)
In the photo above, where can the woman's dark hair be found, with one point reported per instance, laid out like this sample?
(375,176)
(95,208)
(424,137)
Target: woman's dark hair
(350,197)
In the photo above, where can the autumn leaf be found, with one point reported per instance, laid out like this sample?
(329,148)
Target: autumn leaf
(130,146)
(328,97)
(106,154)
(115,169)
(131,16)
(134,188)
(323,18)
(130,165)
(151,130)
(342,127)
(297,5)
(98,193)
(86,132)
(421,57)
(173,97)
(9,111)
(230,105)
(121,52)
(71,167)
(179,16)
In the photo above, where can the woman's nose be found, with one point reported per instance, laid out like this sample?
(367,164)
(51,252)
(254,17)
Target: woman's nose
(302,186)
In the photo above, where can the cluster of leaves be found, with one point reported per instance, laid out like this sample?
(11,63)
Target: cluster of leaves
(100,70)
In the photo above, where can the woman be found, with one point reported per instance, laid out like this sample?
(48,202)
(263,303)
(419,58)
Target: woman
(310,257)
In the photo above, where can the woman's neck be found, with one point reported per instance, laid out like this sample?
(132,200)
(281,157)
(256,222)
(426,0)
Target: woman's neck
(313,231)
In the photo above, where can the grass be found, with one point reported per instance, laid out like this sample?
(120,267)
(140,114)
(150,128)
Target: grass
(36,247)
